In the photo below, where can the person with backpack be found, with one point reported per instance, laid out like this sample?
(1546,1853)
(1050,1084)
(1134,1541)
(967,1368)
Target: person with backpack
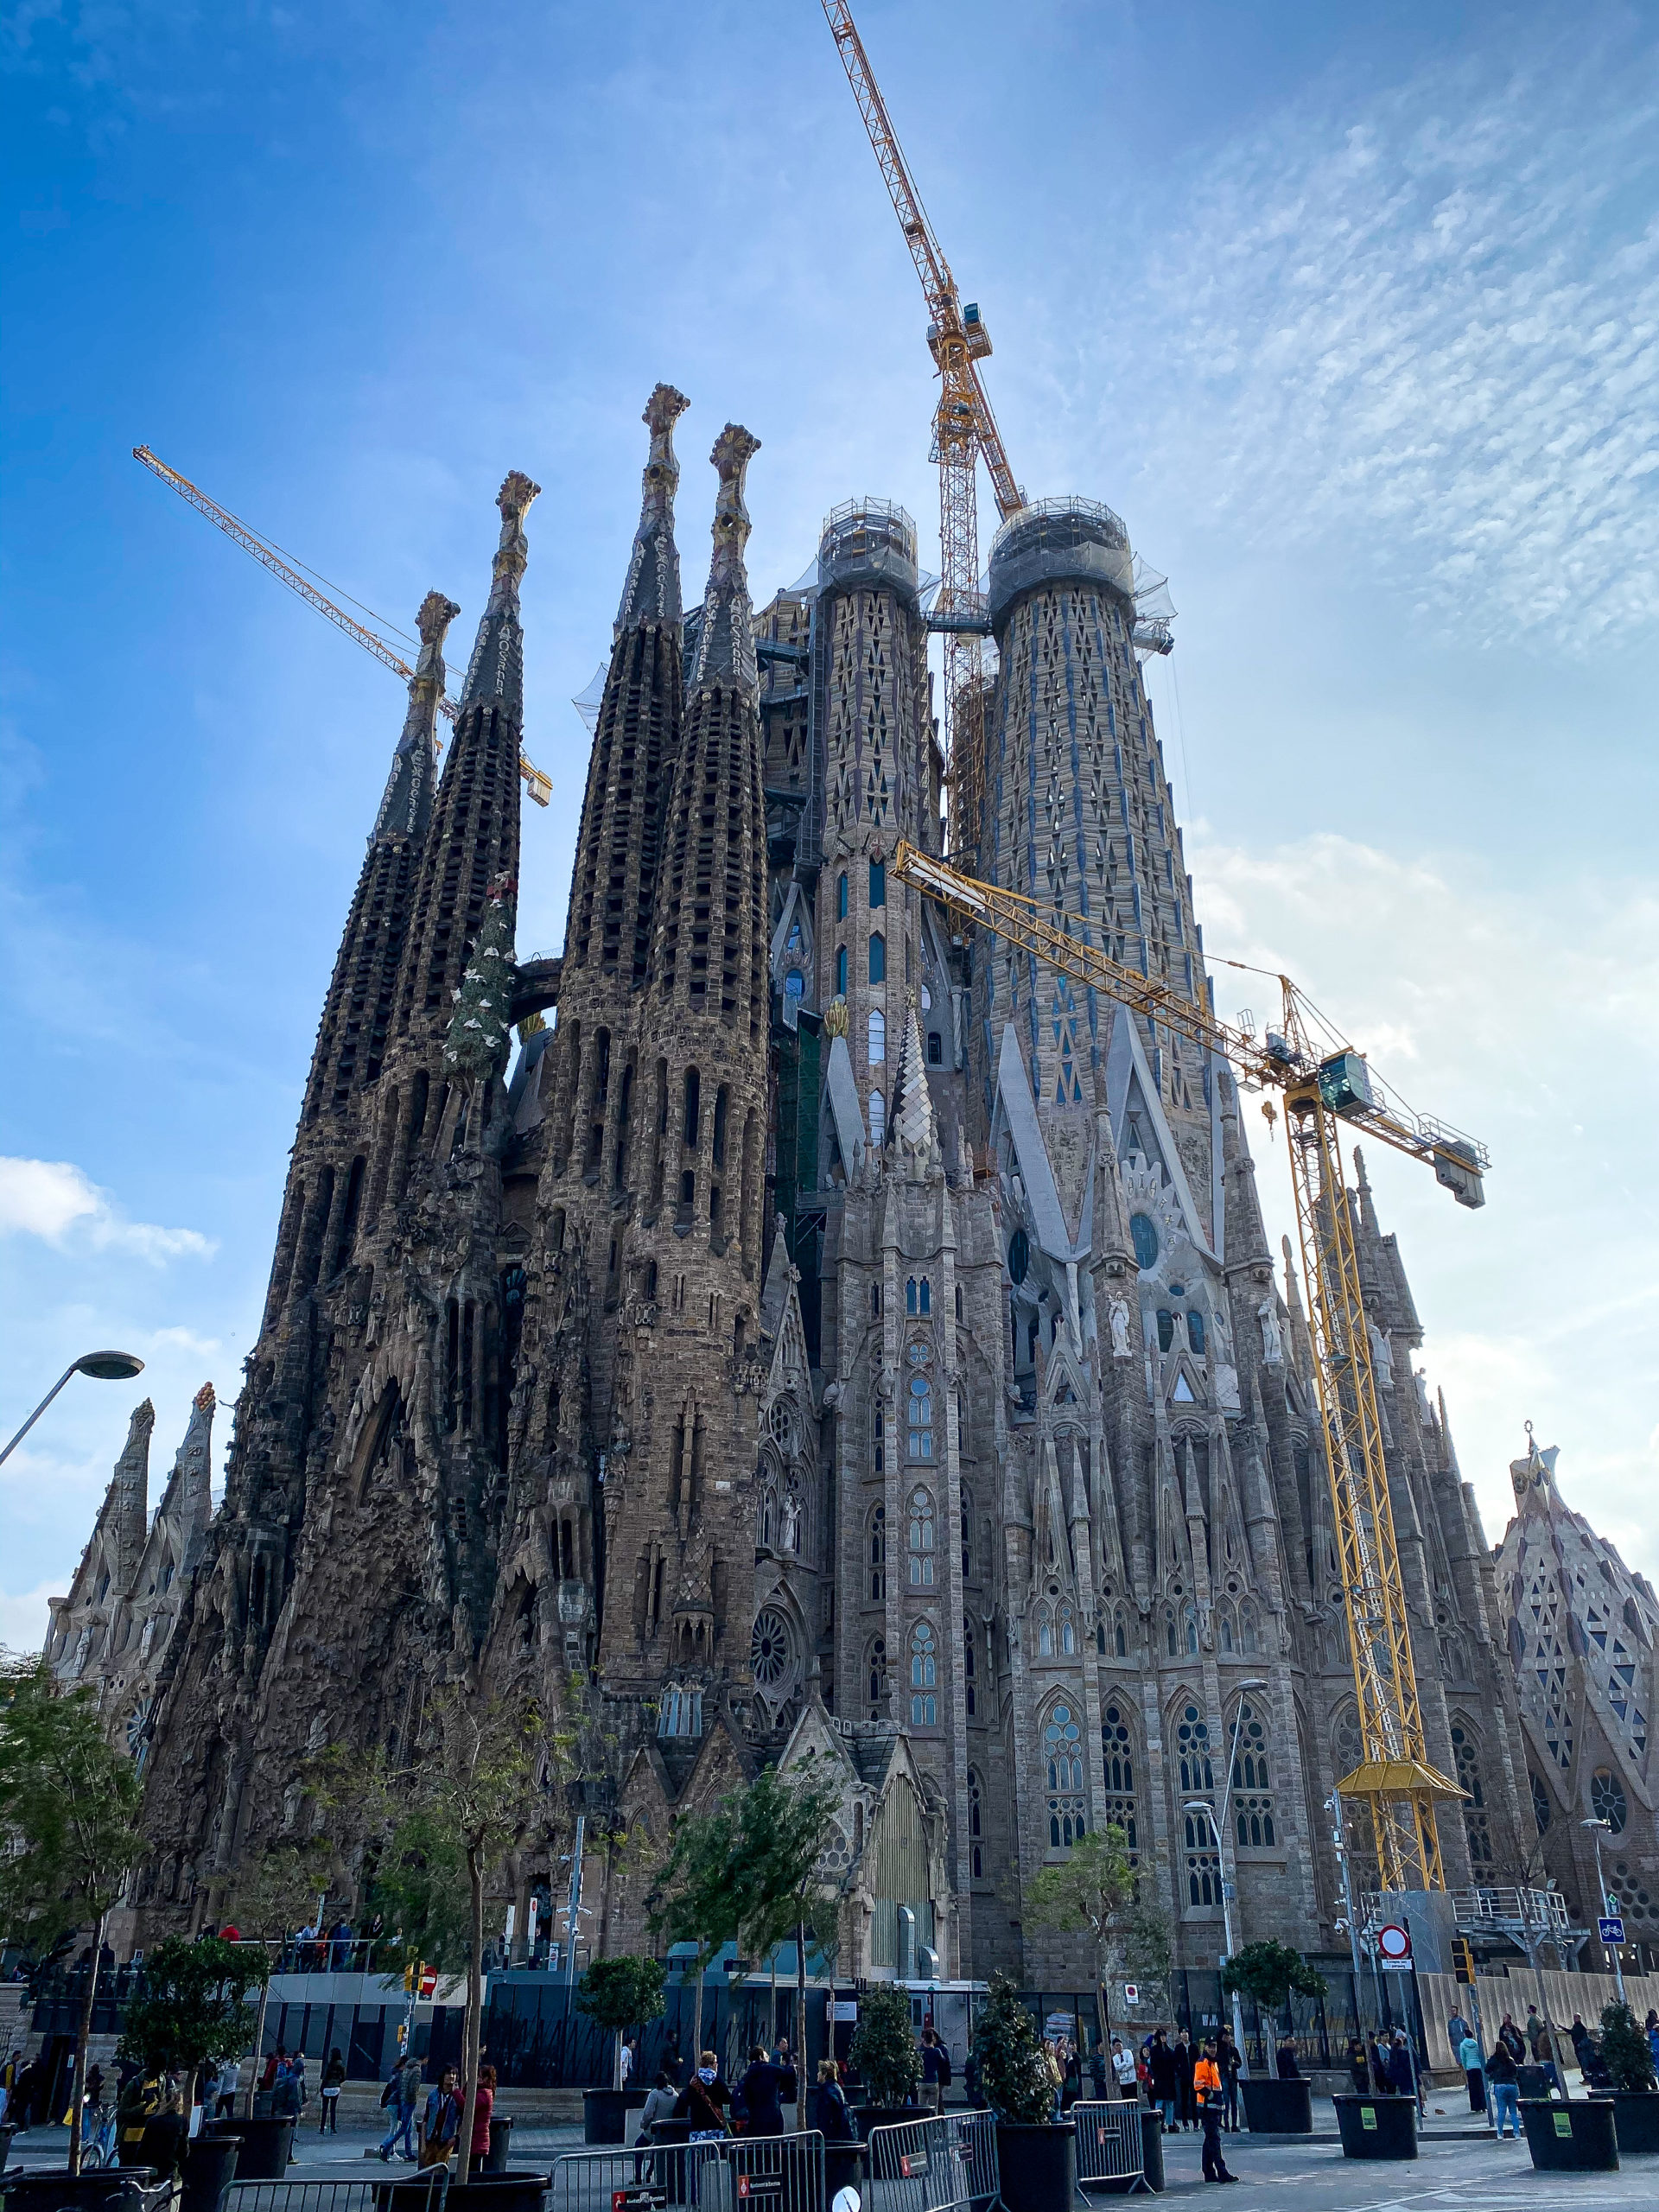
(935,2070)
(705,2101)
(398,2099)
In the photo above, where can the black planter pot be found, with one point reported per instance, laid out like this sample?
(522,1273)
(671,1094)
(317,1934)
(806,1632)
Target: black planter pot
(1151,2149)
(111,2188)
(512,2192)
(1277,2107)
(1635,2118)
(209,2169)
(1577,2137)
(604,2116)
(411,2193)
(266,2145)
(1038,2166)
(1377,2127)
(865,2117)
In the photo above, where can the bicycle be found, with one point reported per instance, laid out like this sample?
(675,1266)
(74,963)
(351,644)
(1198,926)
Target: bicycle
(97,2139)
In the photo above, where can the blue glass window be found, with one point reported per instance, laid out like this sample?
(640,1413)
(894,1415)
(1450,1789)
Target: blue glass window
(877,959)
(1146,1239)
(840,896)
(841,971)
(878,883)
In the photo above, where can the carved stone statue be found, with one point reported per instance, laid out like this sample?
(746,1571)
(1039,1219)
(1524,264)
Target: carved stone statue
(1119,1327)
(1273,1344)
(1382,1356)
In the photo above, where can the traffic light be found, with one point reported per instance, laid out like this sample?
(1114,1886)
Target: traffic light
(1462,1960)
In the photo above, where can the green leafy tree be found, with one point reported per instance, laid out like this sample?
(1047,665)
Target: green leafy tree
(695,1901)
(782,1822)
(1267,1972)
(69,1809)
(1089,1891)
(192,2005)
(1624,2049)
(883,2047)
(272,1896)
(620,1994)
(1012,2071)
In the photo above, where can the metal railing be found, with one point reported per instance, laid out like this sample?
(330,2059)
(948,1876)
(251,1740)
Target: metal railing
(363,2193)
(943,2165)
(745,2173)
(1108,2142)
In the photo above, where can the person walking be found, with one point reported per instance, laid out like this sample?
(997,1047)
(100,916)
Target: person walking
(935,2070)
(766,2089)
(1503,2088)
(1123,2071)
(1186,2110)
(705,2101)
(1160,2064)
(1468,2056)
(483,2107)
(1207,2088)
(1512,2039)
(400,2096)
(441,2123)
(334,2079)
(659,2103)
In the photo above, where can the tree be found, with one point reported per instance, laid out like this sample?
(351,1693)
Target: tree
(1624,2049)
(69,1808)
(192,2005)
(1088,1890)
(273,1896)
(1012,2072)
(696,1900)
(883,2047)
(781,1824)
(1267,1972)
(488,1774)
(618,1994)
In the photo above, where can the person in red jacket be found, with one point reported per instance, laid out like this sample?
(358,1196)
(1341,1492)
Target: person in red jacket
(1208,2091)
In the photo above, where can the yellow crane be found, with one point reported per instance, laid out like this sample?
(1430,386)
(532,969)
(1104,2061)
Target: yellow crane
(539,786)
(964,429)
(1324,1083)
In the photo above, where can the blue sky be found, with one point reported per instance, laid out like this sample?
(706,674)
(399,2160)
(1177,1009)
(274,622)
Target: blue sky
(1353,314)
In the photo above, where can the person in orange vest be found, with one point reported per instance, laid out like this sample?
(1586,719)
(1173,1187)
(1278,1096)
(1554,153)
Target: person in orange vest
(1209,2094)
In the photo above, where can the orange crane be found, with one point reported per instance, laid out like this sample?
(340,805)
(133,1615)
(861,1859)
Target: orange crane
(537,784)
(1325,1083)
(964,429)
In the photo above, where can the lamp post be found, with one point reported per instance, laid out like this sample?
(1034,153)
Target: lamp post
(102,1366)
(1251,1682)
(1597,1829)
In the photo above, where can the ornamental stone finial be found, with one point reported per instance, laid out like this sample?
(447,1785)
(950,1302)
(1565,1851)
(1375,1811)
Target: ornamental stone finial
(652,593)
(725,643)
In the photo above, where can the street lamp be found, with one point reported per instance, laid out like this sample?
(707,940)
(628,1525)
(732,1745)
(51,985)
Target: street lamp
(102,1366)
(1597,1829)
(1202,1804)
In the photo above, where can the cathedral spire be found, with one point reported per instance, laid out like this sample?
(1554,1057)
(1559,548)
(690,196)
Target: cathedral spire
(407,807)
(652,593)
(496,670)
(726,642)
(129,1495)
(912,1132)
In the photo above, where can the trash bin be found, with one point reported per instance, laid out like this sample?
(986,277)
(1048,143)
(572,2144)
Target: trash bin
(500,2136)
(1151,2149)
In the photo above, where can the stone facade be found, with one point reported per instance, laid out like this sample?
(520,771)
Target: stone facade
(835,1337)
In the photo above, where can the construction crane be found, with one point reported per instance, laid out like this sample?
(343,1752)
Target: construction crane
(964,429)
(1325,1084)
(539,786)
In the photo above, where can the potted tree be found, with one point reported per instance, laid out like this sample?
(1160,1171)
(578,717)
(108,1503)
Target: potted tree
(1037,2155)
(192,2008)
(1266,1973)
(616,1995)
(1634,2095)
(883,2049)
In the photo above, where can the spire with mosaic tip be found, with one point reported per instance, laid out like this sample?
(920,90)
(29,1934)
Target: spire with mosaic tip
(726,642)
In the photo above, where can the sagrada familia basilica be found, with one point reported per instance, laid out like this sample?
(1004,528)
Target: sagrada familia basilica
(826,1333)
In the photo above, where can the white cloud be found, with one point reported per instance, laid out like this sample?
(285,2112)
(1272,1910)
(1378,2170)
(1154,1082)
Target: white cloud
(1430,317)
(1517,1007)
(59,1203)
(24,1618)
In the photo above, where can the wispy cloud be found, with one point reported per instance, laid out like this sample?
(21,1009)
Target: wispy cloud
(56,1201)
(1429,319)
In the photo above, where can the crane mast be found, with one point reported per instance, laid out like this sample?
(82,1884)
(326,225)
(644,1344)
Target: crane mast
(965,428)
(537,784)
(1321,1090)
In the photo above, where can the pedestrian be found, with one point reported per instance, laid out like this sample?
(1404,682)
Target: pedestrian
(274,2066)
(1207,2088)
(1468,2056)
(165,2136)
(705,2101)
(341,1957)
(1403,2077)
(1186,2110)
(673,2064)
(630,2058)
(764,2089)
(1123,2070)
(829,2114)
(1537,2033)
(1160,2064)
(935,2070)
(1455,2029)
(288,2095)
(659,2102)
(1229,2059)
(1382,2083)
(441,2122)
(483,2105)
(1053,2066)
(1581,2035)
(1502,2072)
(1285,2064)
(1512,2039)
(399,2098)
(1652,2028)
(1359,2067)
(334,2079)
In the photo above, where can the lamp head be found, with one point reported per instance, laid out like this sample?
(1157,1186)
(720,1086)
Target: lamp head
(109,1366)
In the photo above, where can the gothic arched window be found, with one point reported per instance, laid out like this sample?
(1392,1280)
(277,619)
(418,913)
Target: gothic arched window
(1252,1804)
(878,883)
(878,959)
(1477,1821)
(1068,1634)
(878,1117)
(1192,1741)
(841,971)
(876,1678)
(1045,1633)
(924,1677)
(1541,1809)
(1063,1761)
(1118,1759)
(920,1539)
(878,1035)
(970,1681)
(840,896)
(919,1409)
(975,1826)
(877,1551)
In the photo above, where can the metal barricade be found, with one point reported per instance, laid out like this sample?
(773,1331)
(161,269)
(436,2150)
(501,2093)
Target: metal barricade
(940,2164)
(364,2193)
(765,2173)
(1109,2144)
(649,2177)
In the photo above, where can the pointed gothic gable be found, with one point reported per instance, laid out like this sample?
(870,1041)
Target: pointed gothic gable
(1137,1111)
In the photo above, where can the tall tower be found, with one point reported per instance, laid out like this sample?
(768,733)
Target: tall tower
(679,1478)
(365,1486)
